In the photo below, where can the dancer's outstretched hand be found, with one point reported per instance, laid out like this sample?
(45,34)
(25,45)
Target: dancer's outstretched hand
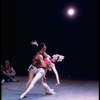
(57,84)
(34,43)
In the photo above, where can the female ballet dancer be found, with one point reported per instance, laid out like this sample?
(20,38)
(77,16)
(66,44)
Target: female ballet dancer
(57,58)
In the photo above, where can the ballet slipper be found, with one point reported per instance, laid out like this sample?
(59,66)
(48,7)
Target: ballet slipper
(22,96)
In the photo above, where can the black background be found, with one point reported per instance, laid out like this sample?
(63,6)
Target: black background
(44,21)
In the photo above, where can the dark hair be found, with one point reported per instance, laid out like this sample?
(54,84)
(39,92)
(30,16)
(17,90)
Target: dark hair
(40,46)
(37,49)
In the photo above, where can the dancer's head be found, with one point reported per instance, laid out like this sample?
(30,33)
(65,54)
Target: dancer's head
(41,48)
(57,58)
(7,63)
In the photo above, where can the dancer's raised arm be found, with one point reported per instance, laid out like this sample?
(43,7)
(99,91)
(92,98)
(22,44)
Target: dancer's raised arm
(34,43)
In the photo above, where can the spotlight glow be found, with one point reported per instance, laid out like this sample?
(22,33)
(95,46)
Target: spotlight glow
(71,11)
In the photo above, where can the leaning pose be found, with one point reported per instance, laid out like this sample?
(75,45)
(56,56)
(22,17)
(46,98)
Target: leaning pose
(47,59)
(41,72)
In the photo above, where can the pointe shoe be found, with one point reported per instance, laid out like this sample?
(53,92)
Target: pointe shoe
(50,93)
(52,90)
(22,96)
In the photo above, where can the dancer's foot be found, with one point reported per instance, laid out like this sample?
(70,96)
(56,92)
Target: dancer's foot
(22,96)
(50,93)
(52,90)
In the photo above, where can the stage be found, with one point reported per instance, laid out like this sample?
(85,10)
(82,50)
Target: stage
(70,89)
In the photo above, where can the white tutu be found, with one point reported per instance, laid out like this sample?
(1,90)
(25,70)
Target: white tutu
(36,70)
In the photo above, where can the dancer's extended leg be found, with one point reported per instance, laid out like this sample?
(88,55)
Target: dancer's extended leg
(38,76)
(45,85)
(35,79)
(31,75)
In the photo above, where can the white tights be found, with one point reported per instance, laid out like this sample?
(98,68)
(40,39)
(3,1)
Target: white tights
(45,85)
(38,76)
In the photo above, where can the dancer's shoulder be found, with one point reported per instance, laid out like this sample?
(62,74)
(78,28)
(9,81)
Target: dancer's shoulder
(39,56)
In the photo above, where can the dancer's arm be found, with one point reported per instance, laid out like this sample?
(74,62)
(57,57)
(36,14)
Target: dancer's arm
(56,73)
(34,43)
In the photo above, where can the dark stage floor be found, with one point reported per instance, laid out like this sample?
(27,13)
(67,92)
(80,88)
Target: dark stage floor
(68,90)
